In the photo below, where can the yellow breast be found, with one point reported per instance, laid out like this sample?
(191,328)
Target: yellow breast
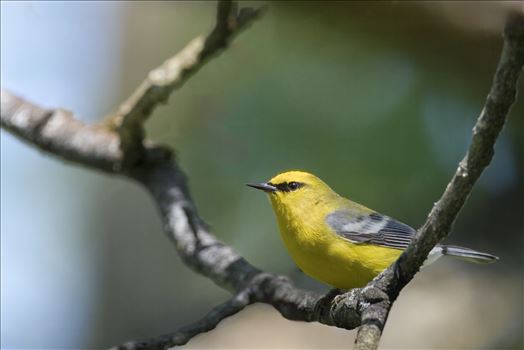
(334,260)
(322,254)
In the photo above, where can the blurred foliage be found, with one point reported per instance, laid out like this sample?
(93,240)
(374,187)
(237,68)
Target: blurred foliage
(376,98)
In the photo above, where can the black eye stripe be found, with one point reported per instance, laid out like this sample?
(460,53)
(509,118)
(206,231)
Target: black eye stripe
(288,186)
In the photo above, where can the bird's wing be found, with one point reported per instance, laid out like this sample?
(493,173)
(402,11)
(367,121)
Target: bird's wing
(371,228)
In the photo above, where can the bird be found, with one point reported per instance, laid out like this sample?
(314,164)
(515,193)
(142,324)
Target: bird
(337,241)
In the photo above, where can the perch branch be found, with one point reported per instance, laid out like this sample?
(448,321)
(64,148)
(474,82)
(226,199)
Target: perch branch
(501,97)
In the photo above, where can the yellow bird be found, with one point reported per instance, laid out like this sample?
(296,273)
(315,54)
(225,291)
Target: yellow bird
(337,241)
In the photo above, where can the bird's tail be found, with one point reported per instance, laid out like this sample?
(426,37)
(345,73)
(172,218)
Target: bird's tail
(467,254)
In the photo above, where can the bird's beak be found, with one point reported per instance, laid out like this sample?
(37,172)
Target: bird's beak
(263,186)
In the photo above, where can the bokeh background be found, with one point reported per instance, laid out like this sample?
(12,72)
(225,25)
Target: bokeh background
(377,98)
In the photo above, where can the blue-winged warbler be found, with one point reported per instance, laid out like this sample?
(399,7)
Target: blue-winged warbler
(337,241)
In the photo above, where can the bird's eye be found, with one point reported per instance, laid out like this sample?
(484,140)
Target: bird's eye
(293,186)
(288,186)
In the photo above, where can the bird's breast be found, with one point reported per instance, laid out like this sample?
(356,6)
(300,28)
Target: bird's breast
(323,255)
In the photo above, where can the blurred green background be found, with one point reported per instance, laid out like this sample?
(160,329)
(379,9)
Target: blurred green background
(376,98)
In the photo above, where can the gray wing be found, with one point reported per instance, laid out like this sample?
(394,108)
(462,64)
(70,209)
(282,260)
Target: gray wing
(371,228)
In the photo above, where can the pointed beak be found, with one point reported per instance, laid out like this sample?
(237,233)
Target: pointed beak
(263,186)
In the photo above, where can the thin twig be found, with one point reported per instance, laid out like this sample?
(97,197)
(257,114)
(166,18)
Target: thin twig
(172,74)
(180,337)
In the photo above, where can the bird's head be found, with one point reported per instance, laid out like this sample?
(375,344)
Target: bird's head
(295,191)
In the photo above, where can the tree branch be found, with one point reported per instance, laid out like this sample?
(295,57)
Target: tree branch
(61,134)
(173,73)
(443,214)
(180,337)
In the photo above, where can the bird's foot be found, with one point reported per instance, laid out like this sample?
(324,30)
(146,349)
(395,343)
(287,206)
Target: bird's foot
(324,301)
